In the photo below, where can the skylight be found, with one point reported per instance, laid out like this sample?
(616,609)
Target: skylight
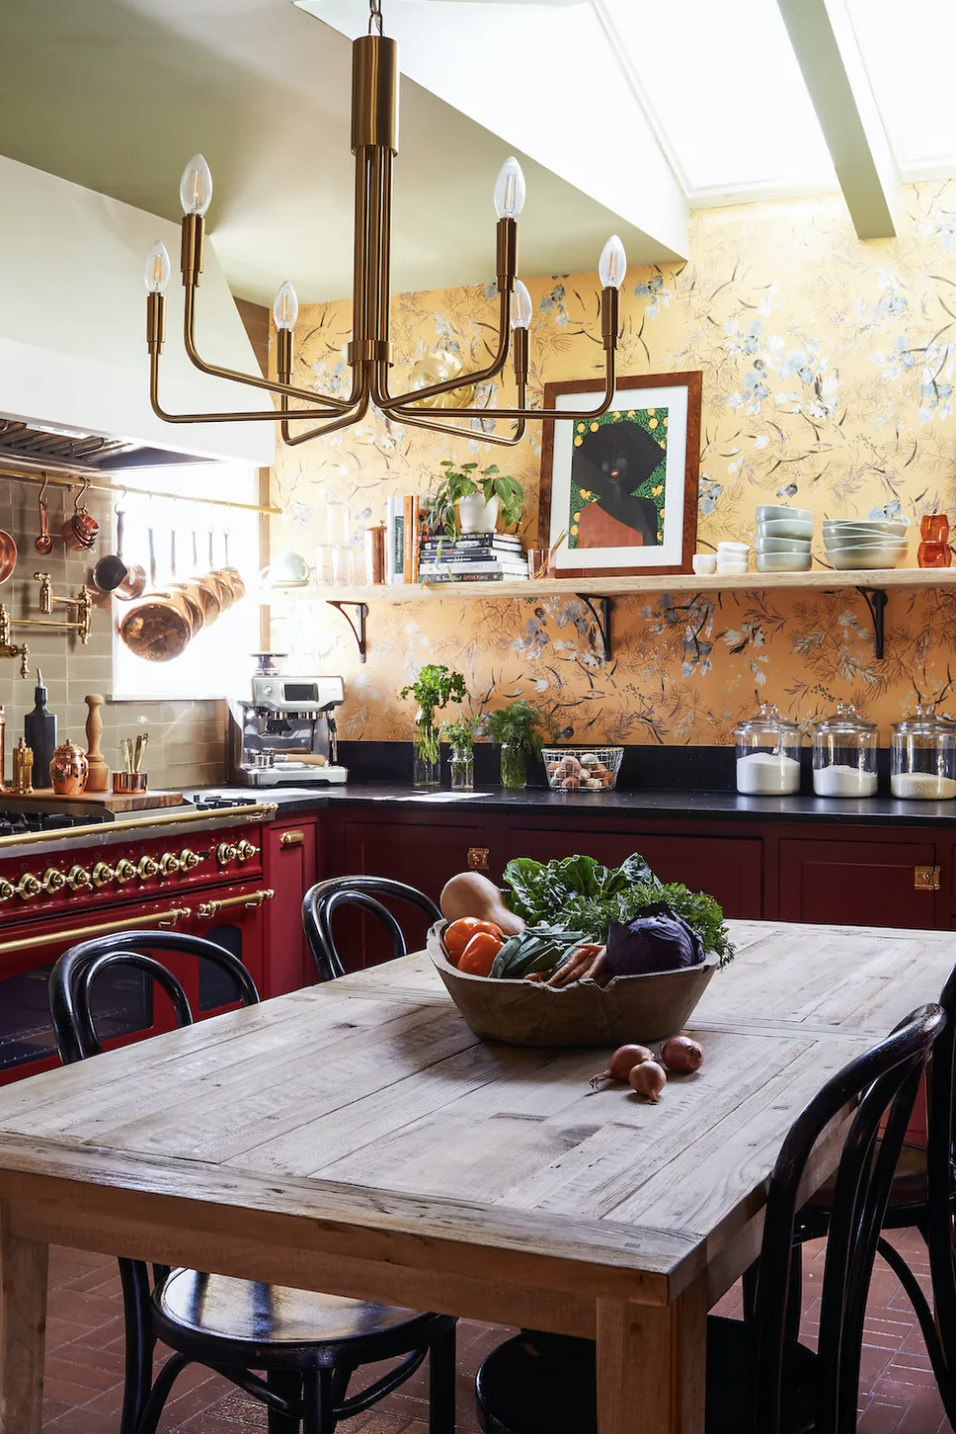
(908,54)
(727,94)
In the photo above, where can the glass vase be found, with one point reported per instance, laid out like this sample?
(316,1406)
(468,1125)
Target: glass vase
(513,770)
(426,769)
(462,764)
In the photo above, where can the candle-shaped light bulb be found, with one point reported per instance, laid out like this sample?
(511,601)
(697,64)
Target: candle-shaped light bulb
(612,265)
(522,308)
(510,190)
(285,310)
(195,188)
(157,268)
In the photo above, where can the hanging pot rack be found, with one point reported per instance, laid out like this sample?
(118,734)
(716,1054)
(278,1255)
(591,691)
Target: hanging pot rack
(26,470)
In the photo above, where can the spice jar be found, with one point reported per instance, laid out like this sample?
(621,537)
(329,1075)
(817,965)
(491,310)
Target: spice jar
(923,757)
(768,754)
(69,769)
(844,754)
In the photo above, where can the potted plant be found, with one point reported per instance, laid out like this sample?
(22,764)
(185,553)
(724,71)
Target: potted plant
(433,688)
(460,736)
(480,498)
(514,730)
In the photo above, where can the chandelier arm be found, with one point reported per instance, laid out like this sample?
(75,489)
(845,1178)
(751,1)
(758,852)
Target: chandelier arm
(344,420)
(436,427)
(401,415)
(465,380)
(189,325)
(261,416)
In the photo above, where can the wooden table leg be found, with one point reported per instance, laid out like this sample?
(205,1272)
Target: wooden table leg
(650,1365)
(23,1278)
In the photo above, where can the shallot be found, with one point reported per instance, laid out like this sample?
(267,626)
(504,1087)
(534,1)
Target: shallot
(681,1055)
(648,1079)
(623,1061)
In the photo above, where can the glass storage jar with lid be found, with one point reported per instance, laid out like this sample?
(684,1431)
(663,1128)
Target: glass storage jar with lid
(768,754)
(844,754)
(923,756)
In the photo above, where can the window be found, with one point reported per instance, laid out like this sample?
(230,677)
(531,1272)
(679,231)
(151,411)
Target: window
(216,662)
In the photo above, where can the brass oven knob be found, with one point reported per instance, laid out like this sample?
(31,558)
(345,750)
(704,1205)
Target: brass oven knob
(77,878)
(7,890)
(168,864)
(225,853)
(245,850)
(189,859)
(125,871)
(28,886)
(147,868)
(102,874)
(52,880)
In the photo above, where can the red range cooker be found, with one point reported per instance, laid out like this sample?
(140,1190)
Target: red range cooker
(193,870)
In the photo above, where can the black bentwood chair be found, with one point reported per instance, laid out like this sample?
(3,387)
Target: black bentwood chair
(308,1345)
(758,1380)
(922,1197)
(321,902)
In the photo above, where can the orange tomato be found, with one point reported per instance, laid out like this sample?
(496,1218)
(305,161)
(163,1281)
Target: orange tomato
(479,955)
(460,932)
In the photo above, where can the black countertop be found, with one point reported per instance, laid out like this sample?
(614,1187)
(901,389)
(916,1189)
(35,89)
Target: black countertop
(621,804)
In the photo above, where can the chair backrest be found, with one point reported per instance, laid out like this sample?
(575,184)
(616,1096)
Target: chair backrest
(75,974)
(882,1086)
(941,1166)
(321,902)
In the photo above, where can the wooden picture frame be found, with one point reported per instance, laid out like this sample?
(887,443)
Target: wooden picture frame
(661,540)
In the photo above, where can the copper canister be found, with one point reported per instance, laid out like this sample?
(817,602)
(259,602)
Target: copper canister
(22,784)
(68,770)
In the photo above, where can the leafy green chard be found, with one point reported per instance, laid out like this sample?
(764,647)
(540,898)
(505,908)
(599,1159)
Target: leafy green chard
(580,893)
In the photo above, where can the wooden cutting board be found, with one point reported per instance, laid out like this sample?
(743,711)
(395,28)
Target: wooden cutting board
(108,801)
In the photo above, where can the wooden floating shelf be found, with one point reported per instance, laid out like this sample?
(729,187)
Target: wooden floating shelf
(597,586)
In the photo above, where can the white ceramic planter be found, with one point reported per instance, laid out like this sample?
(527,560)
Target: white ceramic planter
(477,516)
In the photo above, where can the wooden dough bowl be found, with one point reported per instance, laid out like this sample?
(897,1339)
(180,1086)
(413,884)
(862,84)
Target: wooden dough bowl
(527,1013)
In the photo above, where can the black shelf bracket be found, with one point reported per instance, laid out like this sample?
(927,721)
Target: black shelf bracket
(876,601)
(600,610)
(358,624)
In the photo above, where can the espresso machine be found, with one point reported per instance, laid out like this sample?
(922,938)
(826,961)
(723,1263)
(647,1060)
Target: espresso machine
(286,735)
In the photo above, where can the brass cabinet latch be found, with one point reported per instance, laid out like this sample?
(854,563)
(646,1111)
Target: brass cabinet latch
(926,878)
(477,858)
(288,839)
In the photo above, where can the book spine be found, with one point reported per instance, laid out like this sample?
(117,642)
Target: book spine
(411,539)
(395,541)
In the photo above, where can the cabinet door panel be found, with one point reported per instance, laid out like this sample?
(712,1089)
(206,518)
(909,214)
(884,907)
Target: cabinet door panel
(290,868)
(423,855)
(728,868)
(856,882)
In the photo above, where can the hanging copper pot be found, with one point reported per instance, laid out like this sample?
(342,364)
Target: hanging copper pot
(220,580)
(159,627)
(206,591)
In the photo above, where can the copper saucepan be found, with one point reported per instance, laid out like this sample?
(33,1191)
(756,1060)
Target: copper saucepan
(185,592)
(8,556)
(220,580)
(206,591)
(159,627)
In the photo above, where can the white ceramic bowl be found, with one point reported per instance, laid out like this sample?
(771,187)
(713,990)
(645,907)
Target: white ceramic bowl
(733,550)
(785,528)
(727,570)
(704,564)
(872,556)
(783,545)
(768,512)
(783,562)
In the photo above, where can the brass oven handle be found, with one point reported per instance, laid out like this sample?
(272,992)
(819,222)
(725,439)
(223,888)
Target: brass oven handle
(208,909)
(261,811)
(292,839)
(131,923)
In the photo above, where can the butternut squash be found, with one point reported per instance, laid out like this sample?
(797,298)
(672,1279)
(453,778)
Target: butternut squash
(471,894)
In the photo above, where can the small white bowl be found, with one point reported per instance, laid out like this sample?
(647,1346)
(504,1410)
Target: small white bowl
(739,550)
(767,512)
(704,564)
(727,570)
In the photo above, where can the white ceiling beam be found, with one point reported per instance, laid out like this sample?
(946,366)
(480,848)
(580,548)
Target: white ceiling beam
(506,67)
(825,44)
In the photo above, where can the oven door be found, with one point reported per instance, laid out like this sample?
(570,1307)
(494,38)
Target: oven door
(233,918)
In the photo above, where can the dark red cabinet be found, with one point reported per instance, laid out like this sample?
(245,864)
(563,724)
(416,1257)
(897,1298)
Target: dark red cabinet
(290,866)
(859,883)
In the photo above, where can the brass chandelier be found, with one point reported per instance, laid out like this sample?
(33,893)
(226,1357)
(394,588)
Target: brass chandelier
(375,81)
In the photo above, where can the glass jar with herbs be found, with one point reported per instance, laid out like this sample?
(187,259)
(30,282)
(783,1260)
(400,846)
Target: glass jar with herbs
(515,730)
(433,689)
(460,736)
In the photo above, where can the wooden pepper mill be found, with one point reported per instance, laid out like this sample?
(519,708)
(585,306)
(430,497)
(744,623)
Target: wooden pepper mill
(98,778)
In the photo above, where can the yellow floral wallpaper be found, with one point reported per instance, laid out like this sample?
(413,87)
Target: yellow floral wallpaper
(828,369)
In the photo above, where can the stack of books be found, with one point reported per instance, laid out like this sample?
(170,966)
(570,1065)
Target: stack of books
(472,558)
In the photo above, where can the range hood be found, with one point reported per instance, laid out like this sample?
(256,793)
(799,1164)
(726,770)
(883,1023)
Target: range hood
(74,372)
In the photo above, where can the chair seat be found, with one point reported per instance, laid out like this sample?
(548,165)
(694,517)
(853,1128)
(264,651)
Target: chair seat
(192,1307)
(546,1384)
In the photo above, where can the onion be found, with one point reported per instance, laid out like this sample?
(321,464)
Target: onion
(681,1055)
(648,1079)
(623,1061)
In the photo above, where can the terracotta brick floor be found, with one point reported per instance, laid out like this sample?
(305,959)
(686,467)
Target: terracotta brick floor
(84,1370)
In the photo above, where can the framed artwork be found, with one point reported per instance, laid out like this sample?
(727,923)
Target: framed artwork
(622,487)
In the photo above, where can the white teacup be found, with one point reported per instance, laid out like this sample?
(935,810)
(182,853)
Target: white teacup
(704,564)
(287,570)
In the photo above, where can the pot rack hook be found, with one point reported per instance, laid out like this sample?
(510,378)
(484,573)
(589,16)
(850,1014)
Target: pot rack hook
(43,489)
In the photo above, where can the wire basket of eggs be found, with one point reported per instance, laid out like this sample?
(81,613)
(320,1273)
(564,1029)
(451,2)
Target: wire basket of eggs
(582,769)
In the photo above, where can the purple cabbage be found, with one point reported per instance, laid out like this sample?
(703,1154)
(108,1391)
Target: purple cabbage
(656,940)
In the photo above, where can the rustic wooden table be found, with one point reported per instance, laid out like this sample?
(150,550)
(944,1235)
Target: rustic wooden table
(357,1138)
